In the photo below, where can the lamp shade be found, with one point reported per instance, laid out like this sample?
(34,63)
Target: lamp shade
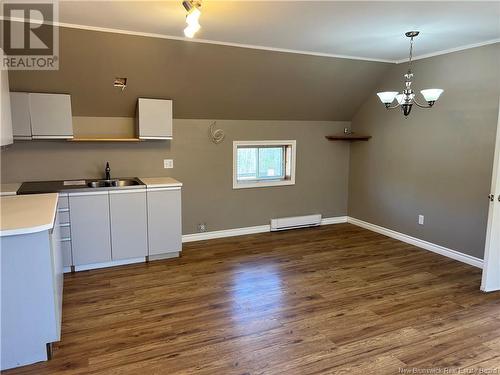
(387,97)
(431,95)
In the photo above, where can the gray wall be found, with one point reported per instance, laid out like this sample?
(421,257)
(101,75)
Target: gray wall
(436,162)
(204,80)
(205,169)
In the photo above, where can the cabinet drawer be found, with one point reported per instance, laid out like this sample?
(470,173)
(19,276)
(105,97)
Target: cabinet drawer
(63,215)
(66,253)
(63,201)
(65,231)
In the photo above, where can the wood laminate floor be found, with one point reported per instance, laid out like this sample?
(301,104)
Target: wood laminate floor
(331,300)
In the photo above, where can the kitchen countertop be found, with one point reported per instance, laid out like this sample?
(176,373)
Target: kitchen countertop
(75,186)
(160,182)
(69,186)
(9,189)
(24,214)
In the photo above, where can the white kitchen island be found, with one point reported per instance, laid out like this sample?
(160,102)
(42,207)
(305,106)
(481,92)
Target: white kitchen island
(32,278)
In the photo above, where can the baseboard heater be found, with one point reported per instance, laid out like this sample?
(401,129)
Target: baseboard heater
(285,223)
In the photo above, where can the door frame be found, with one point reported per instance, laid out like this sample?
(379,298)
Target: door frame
(491,265)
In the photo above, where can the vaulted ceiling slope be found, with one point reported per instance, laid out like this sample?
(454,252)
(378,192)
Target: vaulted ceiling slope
(204,80)
(363,29)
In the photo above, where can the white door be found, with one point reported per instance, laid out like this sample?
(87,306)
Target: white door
(491,266)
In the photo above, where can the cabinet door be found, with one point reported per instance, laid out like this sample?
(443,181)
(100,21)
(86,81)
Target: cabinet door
(5,111)
(164,221)
(90,228)
(154,118)
(20,110)
(57,272)
(51,116)
(128,224)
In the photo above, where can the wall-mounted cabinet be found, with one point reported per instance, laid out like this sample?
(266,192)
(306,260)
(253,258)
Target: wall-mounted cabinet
(51,116)
(21,122)
(41,116)
(5,112)
(154,118)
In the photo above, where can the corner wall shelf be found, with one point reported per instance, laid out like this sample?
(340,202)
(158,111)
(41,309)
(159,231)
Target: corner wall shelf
(348,137)
(88,139)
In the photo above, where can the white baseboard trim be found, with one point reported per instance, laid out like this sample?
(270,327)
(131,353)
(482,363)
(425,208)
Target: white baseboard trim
(453,254)
(225,233)
(248,230)
(112,263)
(334,220)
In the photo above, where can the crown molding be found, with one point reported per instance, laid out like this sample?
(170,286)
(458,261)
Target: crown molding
(257,47)
(205,41)
(450,50)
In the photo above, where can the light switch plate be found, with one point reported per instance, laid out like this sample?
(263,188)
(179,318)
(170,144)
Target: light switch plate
(168,163)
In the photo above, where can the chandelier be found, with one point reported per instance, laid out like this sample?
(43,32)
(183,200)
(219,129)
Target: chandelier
(407,98)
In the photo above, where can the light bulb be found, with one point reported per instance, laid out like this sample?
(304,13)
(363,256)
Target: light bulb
(431,95)
(387,97)
(193,16)
(190,30)
(192,23)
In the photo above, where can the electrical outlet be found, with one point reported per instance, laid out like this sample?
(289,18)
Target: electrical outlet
(202,227)
(168,163)
(421,219)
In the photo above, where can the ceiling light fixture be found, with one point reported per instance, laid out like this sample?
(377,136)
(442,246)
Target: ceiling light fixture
(407,98)
(192,18)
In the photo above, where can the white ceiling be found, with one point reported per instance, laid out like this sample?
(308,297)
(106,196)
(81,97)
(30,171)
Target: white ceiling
(371,30)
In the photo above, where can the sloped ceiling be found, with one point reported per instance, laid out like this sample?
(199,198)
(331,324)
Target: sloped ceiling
(369,29)
(204,80)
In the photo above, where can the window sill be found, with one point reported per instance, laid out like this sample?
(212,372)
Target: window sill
(247,185)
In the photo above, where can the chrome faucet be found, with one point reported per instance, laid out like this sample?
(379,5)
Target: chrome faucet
(108,171)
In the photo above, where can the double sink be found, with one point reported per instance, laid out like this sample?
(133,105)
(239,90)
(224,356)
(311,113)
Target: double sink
(83,185)
(114,183)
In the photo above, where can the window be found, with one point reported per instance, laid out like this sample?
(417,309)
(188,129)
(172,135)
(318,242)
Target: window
(263,163)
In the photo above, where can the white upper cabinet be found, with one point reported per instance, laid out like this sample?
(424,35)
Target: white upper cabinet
(41,116)
(5,112)
(154,118)
(50,116)
(20,108)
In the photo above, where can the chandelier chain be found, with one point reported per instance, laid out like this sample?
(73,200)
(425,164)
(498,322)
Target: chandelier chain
(411,55)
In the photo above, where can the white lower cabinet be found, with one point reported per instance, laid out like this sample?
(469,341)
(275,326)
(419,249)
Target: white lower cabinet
(66,252)
(164,221)
(129,226)
(101,229)
(90,227)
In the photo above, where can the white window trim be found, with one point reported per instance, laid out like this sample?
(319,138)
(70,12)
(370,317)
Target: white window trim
(264,183)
